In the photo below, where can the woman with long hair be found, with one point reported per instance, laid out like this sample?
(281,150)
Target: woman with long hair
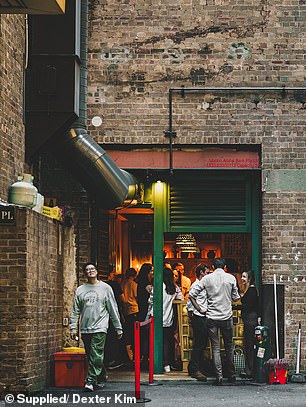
(170,292)
(144,282)
(177,278)
(249,314)
(144,288)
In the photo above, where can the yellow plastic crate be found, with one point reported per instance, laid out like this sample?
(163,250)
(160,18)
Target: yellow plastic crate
(74,349)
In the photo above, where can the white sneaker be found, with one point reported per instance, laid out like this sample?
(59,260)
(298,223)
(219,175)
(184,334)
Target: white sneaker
(88,387)
(167,369)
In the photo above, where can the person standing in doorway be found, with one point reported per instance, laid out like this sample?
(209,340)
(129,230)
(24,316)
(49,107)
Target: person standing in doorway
(185,281)
(249,314)
(144,287)
(129,288)
(199,326)
(221,289)
(115,353)
(170,292)
(94,303)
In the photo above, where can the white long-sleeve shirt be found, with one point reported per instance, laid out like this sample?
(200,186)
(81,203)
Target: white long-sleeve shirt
(167,305)
(201,300)
(221,289)
(93,305)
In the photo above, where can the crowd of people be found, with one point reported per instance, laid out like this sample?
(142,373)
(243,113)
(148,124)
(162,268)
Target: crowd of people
(208,302)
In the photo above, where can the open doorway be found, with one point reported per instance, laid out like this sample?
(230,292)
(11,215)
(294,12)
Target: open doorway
(235,248)
(192,249)
(131,238)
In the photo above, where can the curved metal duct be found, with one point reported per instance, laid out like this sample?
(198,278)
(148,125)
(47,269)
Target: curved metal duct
(111,186)
(107,184)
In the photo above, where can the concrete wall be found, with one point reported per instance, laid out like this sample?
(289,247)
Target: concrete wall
(137,52)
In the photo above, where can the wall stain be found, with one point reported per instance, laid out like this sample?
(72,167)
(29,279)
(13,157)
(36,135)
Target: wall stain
(180,36)
(137,81)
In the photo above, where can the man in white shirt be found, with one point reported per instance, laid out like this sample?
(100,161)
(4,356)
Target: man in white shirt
(199,326)
(221,289)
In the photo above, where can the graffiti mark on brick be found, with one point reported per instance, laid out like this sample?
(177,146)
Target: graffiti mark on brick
(116,55)
(238,51)
(173,55)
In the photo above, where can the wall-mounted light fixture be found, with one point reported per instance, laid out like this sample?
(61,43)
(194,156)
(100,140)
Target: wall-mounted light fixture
(186,243)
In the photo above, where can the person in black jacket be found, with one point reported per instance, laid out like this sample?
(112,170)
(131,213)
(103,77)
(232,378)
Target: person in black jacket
(144,287)
(115,353)
(249,314)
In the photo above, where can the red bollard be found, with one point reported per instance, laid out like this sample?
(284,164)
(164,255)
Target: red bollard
(137,326)
(151,351)
(137,358)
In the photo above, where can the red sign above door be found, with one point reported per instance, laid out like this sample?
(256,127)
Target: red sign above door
(210,158)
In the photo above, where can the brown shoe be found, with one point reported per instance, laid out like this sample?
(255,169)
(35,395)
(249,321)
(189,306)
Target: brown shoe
(199,376)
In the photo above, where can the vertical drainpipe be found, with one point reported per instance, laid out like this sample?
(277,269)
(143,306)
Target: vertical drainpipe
(81,124)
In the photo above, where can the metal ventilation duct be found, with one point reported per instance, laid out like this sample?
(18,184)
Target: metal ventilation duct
(111,186)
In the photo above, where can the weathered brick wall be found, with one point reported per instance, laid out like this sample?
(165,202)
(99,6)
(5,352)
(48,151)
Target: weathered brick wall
(69,280)
(55,182)
(31,300)
(136,53)
(11,96)
(283,249)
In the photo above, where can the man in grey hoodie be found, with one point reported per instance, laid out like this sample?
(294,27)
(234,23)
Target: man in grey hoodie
(94,303)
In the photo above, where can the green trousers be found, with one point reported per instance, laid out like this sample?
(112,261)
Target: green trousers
(94,348)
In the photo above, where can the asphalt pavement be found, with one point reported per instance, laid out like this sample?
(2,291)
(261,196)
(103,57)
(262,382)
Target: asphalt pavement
(169,394)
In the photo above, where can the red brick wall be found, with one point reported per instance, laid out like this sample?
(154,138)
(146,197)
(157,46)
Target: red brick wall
(11,96)
(137,53)
(31,300)
(283,250)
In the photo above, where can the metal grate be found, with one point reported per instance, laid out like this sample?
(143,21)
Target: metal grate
(196,202)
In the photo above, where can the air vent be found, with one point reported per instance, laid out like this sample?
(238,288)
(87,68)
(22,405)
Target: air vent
(200,203)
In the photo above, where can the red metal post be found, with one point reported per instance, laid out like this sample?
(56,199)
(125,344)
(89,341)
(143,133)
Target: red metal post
(137,358)
(151,351)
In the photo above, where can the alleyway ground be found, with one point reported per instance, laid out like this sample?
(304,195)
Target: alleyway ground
(179,394)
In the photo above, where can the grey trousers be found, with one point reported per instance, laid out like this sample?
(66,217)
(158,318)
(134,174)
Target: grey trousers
(226,330)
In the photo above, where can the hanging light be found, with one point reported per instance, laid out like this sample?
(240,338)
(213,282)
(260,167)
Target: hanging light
(186,243)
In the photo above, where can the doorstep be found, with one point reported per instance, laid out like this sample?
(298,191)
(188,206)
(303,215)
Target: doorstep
(129,376)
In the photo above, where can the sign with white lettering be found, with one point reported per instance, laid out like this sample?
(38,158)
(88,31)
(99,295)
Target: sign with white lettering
(7,215)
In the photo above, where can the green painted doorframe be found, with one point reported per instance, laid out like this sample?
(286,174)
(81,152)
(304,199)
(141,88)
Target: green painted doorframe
(160,198)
